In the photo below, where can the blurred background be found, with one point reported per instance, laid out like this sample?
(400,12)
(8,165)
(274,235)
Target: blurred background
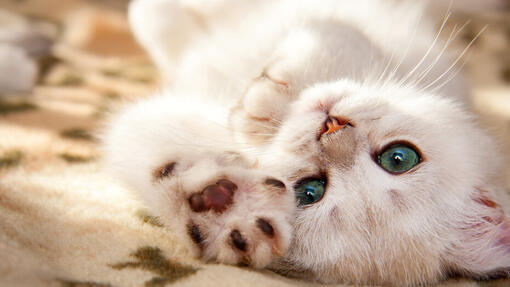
(64,62)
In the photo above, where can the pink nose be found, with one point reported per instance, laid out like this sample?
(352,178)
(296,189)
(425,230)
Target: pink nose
(333,124)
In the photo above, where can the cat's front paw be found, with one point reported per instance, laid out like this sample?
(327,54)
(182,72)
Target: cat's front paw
(259,112)
(241,221)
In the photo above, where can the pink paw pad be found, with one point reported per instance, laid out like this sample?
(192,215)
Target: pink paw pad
(215,196)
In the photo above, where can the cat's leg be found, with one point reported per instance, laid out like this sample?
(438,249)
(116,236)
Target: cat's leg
(178,157)
(265,103)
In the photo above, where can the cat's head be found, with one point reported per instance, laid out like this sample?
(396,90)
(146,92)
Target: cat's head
(394,185)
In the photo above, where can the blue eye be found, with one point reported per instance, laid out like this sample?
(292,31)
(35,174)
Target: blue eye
(398,158)
(310,190)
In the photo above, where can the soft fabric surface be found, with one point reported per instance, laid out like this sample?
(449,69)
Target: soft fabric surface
(64,222)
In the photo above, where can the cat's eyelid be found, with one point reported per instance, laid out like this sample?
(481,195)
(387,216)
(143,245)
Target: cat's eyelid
(390,139)
(411,170)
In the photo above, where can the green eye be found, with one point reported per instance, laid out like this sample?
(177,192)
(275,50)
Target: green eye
(310,190)
(398,158)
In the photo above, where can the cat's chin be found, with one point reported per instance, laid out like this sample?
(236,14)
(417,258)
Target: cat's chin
(322,97)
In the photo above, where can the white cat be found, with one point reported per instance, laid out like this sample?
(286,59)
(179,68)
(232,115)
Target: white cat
(312,137)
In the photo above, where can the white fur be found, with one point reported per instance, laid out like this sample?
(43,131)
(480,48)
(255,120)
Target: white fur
(260,78)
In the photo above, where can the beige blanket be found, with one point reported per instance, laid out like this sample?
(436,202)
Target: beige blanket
(63,222)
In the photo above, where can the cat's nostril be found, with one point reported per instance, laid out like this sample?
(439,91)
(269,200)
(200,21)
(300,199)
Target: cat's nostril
(334,124)
(238,240)
(266,227)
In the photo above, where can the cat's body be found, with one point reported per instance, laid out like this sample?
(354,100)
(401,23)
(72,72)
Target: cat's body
(232,41)
(265,97)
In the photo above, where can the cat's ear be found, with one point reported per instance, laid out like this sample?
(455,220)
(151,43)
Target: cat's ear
(483,249)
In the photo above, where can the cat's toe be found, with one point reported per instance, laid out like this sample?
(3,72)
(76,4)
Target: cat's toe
(238,240)
(265,227)
(254,244)
(195,233)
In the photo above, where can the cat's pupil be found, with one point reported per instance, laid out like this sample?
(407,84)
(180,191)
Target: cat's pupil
(398,158)
(310,190)
(310,193)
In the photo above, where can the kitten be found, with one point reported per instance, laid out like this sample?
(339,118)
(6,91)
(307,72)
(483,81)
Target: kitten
(327,140)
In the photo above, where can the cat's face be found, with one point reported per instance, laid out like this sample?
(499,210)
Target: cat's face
(398,191)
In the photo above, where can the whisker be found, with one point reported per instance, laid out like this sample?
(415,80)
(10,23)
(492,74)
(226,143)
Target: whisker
(458,58)
(406,52)
(454,74)
(453,35)
(388,64)
(445,20)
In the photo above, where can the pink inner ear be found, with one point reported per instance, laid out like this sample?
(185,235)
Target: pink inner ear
(483,199)
(484,245)
(505,234)
(497,219)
